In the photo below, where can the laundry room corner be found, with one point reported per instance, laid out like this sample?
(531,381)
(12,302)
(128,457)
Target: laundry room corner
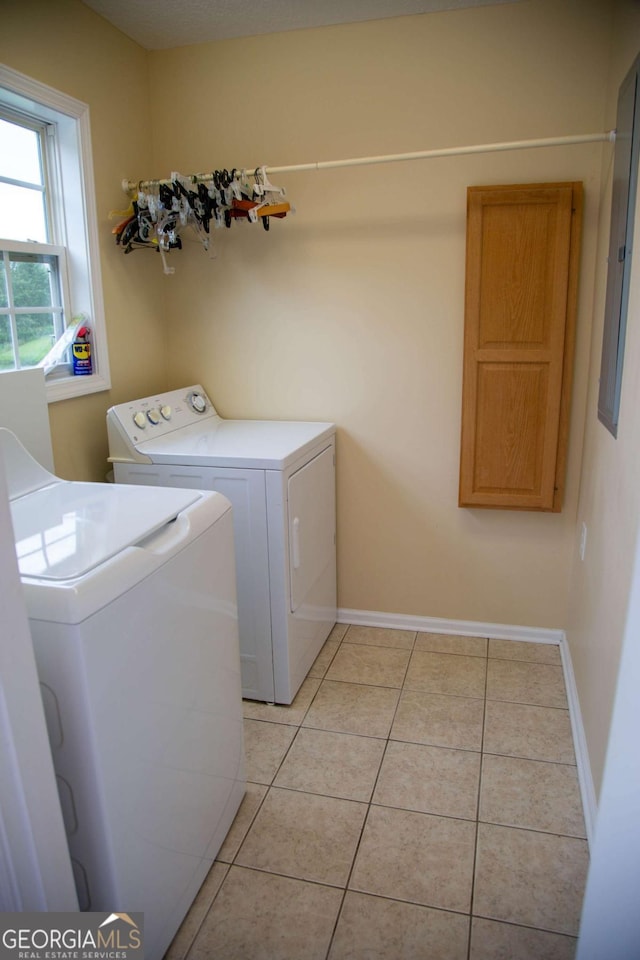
(352,308)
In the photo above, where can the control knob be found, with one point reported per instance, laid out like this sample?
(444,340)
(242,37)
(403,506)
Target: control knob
(198,402)
(153,416)
(139,419)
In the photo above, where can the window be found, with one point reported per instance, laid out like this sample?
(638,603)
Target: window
(625,181)
(49,266)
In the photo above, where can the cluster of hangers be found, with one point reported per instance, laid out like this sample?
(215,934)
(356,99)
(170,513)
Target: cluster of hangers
(160,213)
(150,222)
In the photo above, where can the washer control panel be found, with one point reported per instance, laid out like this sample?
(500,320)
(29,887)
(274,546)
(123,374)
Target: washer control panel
(158,415)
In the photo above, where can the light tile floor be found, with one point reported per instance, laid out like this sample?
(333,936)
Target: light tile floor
(419,800)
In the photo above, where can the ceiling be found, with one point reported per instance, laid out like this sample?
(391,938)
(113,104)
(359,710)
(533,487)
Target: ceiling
(162,24)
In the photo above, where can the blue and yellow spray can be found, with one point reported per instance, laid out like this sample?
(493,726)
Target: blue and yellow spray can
(81,352)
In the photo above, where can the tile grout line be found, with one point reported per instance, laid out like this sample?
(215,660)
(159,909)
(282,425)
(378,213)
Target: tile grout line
(369,805)
(475,848)
(269,787)
(185,955)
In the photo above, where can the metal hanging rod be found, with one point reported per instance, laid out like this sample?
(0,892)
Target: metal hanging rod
(610,136)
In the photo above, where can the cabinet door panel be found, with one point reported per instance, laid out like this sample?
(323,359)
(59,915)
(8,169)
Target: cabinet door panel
(519,307)
(510,431)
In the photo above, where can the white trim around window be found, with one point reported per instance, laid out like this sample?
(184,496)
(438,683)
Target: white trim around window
(75,210)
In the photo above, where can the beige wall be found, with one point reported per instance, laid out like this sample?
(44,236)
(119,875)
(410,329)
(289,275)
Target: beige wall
(64,44)
(352,310)
(610,489)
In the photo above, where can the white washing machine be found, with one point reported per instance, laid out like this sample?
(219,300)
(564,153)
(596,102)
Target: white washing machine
(280,479)
(132,608)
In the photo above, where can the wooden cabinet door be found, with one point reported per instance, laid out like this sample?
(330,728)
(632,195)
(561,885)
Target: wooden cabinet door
(520,303)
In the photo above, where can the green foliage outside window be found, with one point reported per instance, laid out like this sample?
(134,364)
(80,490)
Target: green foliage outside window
(31,287)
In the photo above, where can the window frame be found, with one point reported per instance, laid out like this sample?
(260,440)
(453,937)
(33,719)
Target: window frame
(72,208)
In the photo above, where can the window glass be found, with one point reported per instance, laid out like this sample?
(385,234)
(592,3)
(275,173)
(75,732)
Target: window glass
(34,280)
(33,300)
(20,156)
(7,361)
(36,336)
(22,184)
(3,286)
(22,212)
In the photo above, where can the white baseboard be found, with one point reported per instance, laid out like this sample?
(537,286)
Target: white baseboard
(501,631)
(585,777)
(462,628)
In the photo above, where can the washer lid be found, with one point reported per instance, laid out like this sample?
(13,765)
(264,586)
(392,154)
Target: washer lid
(66,529)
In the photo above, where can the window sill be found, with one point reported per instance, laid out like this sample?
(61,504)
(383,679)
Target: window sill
(68,387)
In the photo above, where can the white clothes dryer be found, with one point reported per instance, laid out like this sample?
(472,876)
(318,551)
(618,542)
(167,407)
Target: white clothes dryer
(280,479)
(131,599)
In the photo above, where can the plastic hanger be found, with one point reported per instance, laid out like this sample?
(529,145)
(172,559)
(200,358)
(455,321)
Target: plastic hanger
(158,216)
(272,204)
